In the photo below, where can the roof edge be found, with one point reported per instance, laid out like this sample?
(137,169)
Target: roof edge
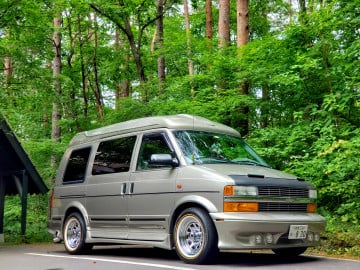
(24,158)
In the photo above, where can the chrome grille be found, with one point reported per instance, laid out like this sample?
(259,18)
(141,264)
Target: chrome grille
(268,191)
(282,207)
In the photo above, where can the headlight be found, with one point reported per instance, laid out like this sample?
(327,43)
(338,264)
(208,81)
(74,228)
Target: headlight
(312,194)
(240,191)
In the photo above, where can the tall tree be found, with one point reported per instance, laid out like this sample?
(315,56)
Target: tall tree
(96,87)
(122,84)
(56,113)
(128,16)
(122,20)
(160,43)
(8,69)
(81,41)
(188,37)
(209,18)
(242,8)
(224,23)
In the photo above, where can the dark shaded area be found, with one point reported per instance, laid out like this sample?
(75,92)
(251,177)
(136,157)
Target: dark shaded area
(17,173)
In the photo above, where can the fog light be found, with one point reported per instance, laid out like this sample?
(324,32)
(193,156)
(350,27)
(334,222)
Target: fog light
(269,238)
(258,239)
(317,237)
(310,236)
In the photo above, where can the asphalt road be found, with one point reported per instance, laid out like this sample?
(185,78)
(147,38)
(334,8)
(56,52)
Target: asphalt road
(54,257)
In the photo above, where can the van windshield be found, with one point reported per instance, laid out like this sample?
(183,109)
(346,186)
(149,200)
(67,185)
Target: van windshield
(204,147)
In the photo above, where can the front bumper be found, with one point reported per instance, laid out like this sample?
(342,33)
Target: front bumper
(265,230)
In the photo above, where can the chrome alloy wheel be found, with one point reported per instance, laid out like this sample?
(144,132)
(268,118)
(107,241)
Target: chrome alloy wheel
(73,233)
(190,236)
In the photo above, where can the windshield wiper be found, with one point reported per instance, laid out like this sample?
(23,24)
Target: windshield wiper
(204,159)
(250,162)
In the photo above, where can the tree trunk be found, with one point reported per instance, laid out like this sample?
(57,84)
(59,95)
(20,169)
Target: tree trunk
(159,43)
(135,51)
(124,24)
(265,107)
(208,8)
(122,87)
(117,83)
(56,115)
(290,11)
(224,33)
(242,9)
(302,14)
(83,70)
(8,70)
(224,23)
(188,38)
(69,108)
(302,4)
(97,90)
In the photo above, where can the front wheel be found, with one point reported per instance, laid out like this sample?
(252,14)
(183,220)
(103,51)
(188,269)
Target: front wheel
(195,237)
(289,252)
(74,234)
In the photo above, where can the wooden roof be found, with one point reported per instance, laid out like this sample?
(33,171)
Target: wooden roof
(14,162)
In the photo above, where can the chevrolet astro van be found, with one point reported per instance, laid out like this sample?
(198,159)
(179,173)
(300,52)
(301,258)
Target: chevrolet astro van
(178,182)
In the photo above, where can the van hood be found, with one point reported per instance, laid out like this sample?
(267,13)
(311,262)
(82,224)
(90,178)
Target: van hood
(247,170)
(259,175)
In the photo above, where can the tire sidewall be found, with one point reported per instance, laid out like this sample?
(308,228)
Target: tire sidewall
(81,246)
(209,248)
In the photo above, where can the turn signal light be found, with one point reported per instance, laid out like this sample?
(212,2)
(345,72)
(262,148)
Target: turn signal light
(311,208)
(241,207)
(228,190)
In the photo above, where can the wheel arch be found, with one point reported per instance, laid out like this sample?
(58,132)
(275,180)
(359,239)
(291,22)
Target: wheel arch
(189,202)
(75,207)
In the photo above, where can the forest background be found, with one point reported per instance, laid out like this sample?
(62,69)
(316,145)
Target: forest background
(285,73)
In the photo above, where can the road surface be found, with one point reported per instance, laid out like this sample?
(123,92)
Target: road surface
(54,257)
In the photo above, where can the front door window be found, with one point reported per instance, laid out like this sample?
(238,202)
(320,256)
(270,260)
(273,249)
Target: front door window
(153,144)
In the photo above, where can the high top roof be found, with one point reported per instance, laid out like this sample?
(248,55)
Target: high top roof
(177,122)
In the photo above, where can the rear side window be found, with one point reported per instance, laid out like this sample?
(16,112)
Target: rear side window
(76,167)
(114,156)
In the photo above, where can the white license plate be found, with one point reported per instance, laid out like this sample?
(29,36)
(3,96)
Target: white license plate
(298,231)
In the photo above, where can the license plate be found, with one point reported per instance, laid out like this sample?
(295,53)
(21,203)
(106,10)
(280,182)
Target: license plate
(298,231)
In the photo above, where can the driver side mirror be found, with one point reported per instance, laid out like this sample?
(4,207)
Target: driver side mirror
(163,160)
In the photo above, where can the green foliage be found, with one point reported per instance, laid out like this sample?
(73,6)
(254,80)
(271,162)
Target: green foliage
(36,230)
(340,243)
(328,156)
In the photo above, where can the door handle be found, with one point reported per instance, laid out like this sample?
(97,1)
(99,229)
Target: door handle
(131,188)
(123,188)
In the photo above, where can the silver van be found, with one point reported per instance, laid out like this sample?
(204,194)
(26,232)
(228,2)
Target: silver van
(178,182)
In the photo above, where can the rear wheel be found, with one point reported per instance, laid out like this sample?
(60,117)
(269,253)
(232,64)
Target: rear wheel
(195,237)
(74,234)
(289,252)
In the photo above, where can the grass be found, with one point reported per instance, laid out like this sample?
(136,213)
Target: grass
(339,245)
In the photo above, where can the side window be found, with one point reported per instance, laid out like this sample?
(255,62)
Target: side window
(152,144)
(113,156)
(76,167)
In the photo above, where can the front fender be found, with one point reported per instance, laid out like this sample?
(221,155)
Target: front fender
(199,200)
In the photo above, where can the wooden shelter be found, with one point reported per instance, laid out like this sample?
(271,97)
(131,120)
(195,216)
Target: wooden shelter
(17,174)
